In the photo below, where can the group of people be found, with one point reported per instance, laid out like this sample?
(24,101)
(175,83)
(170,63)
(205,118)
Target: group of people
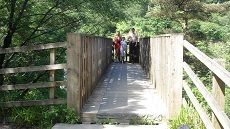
(120,46)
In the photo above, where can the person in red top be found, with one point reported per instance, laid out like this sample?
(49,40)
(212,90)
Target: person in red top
(117,45)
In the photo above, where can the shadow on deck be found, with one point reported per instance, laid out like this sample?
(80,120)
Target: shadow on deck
(123,93)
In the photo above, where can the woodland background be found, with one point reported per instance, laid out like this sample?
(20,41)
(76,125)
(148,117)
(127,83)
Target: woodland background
(205,23)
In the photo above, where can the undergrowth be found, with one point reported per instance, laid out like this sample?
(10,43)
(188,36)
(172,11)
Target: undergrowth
(42,117)
(187,116)
(143,120)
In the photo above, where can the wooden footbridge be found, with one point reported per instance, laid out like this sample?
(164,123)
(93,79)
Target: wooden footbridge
(98,88)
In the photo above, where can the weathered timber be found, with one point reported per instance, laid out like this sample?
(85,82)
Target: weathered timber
(33,47)
(74,57)
(222,117)
(33,102)
(162,58)
(31,85)
(218,91)
(86,62)
(216,68)
(198,107)
(52,74)
(32,68)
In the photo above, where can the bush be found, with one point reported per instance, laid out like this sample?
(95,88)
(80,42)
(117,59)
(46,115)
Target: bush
(43,117)
(187,116)
(144,120)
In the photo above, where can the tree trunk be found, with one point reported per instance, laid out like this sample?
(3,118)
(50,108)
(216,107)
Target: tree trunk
(185,28)
(7,42)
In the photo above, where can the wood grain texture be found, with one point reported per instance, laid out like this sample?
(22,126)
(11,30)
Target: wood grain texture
(216,68)
(33,47)
(32,68)
(222,117)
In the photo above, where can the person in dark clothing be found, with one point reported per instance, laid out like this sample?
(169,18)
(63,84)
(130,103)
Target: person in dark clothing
(133,45)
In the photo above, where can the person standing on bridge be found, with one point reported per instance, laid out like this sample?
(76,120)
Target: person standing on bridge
(133,39)
(117,45)
(123,50)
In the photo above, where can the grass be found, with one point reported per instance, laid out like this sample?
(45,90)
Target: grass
(187,116)
(144,120)
(108,121)
(42,117)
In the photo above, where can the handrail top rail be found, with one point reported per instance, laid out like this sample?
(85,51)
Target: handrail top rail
(89,35)
(167,35)
(33,47)
(223,118)
(216,68)
(33,68)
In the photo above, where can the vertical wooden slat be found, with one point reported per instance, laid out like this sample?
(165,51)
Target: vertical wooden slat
(52,74)
(108,52)
(103,55)
(84,70)
(168,69)
(153,61)
(157,55)
(81,58)
(218,91)
(176,71)
(89,66)
(161,67)
(93,61)
(141,52)
(73,72)
(96,59)
(100,58)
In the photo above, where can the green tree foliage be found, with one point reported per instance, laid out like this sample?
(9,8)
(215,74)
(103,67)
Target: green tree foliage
(24,22)
(206,25)
(27,22)
(178,10)
(146,25)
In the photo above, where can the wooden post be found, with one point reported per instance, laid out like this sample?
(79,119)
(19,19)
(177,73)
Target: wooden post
(89,75)
(163,68)
(84,69)
(93,61)
(74,74)
(218,91)
(157,60)
(52,74)
(153,61)
(174,97)
(167,68)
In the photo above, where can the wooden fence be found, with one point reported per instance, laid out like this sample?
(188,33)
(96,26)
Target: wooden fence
(87,60)
(215,99)
(162,58)
(51,68)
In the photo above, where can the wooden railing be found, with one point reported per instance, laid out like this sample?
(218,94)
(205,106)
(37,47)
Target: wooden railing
(51,68)
(146,56)
(162,57)
(87,59)
(214,100)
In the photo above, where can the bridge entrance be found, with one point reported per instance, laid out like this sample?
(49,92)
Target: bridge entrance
(98,88)
(123,93)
